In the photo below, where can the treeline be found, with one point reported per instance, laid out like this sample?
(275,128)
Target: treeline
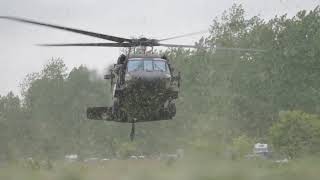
(231,94)
(227,98)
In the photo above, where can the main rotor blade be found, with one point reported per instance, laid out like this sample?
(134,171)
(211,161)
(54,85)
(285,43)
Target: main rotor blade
(185,35)
(179,45)
(217,48)
(90,44)
(88,33)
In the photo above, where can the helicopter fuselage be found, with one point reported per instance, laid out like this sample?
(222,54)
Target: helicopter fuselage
(146,96)
(146,92)
(144,89)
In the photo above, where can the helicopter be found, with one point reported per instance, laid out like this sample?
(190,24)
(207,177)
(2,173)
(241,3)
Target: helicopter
(144,85)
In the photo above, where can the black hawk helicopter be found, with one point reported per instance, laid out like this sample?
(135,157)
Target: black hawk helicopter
(144,86)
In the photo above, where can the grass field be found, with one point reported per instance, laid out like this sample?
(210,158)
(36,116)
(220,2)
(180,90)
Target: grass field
(186,169)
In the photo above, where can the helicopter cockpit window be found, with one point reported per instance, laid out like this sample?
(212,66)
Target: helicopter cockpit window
(135,66)
(159,66)
(147,65)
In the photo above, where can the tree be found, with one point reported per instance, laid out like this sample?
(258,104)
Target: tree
(12,126)
(296,133)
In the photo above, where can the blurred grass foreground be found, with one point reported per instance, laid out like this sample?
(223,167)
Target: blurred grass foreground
(198,168)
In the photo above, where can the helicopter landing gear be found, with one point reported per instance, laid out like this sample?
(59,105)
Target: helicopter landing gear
(132,134)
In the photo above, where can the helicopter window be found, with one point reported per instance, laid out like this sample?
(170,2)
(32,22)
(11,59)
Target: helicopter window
(147,65)
(135,66)
(159,66)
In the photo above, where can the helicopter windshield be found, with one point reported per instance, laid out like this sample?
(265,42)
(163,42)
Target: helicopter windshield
(147,65)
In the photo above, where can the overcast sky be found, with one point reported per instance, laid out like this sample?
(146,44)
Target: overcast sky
(127,18)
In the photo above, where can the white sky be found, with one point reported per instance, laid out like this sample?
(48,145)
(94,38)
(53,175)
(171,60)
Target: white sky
(126,18)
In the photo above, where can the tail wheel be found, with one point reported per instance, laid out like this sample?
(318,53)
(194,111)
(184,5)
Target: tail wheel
(132,134)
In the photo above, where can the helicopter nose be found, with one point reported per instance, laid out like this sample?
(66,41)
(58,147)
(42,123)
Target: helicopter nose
(149,76)
(150,80)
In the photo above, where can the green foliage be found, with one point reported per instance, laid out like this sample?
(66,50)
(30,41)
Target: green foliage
(241,146)
(296,133)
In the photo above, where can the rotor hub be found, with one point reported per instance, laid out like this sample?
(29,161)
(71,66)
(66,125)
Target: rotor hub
(145,42)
